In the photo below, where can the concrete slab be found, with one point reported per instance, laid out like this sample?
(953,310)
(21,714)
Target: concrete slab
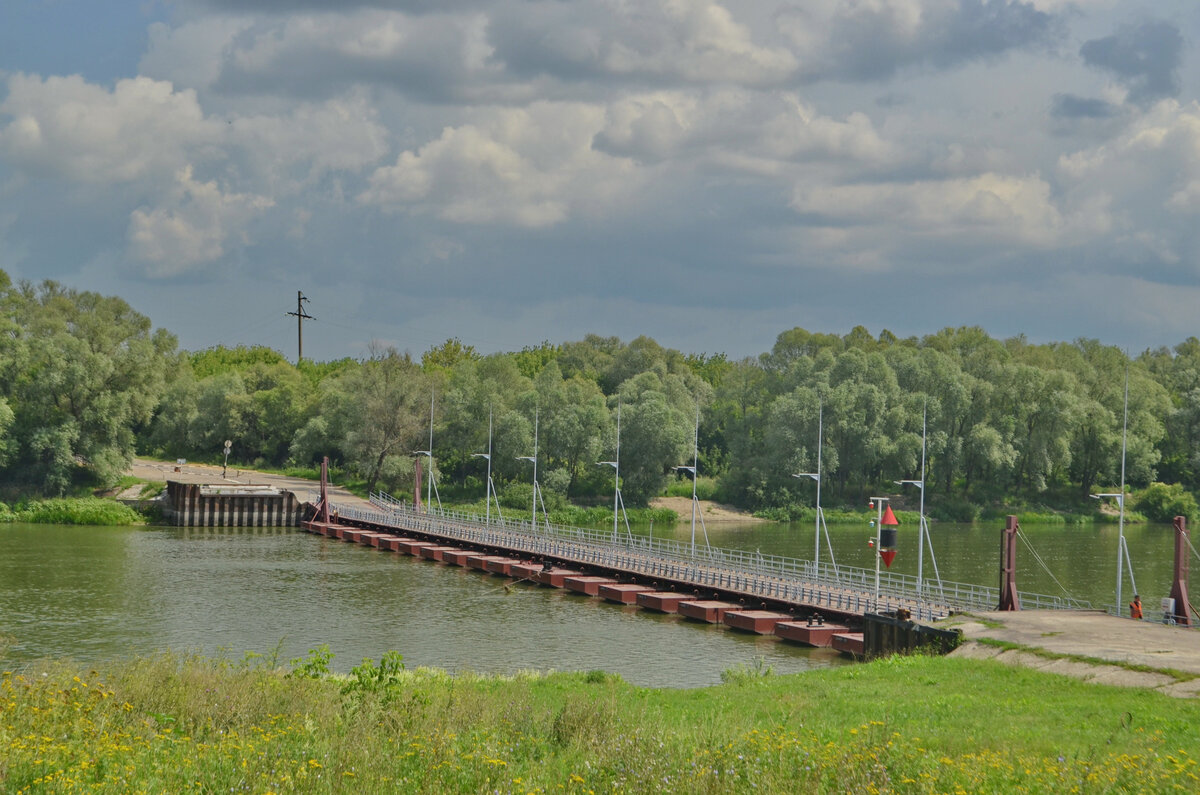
(502,566)
(706,610)
(850,643)
(587,584)
(1089,634)
(1088,645)
(555,577)
(435,553)
(819,635)
(662,601)
(623,592)
(760,622)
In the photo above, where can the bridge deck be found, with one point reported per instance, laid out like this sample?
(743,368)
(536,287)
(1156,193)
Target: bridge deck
(799,584)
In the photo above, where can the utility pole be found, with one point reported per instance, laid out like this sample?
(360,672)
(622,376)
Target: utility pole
(300,316)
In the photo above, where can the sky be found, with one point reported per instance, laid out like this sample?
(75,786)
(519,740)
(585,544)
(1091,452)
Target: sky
(706,173)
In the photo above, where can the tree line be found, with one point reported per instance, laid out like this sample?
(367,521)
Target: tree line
(85,383)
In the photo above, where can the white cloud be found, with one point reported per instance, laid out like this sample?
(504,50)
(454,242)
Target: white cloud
(84,132)
(695,40)
(193,228)
(530,167)
(982,210)
(341,134)
(436,55)
(1150,174)
(190,54)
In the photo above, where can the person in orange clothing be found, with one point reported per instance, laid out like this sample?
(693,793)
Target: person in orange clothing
(1135,607)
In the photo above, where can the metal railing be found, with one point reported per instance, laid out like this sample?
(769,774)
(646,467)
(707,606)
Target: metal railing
(794,580)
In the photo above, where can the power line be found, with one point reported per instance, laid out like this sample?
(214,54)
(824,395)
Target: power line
(300,316)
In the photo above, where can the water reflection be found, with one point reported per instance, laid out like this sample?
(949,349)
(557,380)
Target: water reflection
(96,594)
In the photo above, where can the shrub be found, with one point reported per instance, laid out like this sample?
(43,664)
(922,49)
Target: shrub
(517,495)
(81,510)
(953,509)
(1161,502)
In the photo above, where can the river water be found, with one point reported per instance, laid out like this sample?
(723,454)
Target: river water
(96,594)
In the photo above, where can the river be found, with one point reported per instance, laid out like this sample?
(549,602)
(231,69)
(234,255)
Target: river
(97,594)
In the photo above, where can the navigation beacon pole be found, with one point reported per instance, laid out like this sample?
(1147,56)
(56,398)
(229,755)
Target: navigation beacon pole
(885,540)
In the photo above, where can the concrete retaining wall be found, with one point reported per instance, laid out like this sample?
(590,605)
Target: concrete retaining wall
(198,505)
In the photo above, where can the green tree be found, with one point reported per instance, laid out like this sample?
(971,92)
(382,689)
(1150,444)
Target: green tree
(386,408)
(84,372)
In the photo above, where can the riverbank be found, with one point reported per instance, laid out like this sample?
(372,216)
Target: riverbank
(911,724)
(95,511)
(1092,646)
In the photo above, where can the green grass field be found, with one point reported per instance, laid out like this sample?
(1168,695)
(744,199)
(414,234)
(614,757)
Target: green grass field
(907,724)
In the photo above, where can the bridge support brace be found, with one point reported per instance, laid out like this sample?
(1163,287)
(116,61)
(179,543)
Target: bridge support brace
(1009,599)
(1179,589)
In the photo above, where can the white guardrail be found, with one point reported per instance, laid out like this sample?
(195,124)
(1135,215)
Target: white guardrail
(844,588)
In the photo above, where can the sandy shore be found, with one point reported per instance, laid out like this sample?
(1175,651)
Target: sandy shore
(713,512)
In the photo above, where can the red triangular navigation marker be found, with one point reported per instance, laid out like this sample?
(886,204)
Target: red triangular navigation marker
(888,516)
(888,556)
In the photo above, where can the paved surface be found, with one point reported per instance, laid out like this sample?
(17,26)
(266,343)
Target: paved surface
(305,490)
(1060,634)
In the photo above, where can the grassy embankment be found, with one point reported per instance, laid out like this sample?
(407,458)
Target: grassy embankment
(72,510)
(915,724)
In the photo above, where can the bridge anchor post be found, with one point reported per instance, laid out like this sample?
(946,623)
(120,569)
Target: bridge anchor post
(1009,599)
(1179,590)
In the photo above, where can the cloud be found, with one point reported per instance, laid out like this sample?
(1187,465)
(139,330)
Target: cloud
(1070,106)
(870,224)
(438,57)
(862,40)
(1148,176)
(310,140)
(1144,59)
(528,167)
(291,6)
(193,229)
(84,132)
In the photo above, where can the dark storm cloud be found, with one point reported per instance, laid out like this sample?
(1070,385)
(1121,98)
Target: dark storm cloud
(1070,106)
(1145,59)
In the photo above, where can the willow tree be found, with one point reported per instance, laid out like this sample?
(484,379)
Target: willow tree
(81,372)
(387,403)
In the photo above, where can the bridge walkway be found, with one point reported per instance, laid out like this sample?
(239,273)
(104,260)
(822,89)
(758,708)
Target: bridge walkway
(750,576)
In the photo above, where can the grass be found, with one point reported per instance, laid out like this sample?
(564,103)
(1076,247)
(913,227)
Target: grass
(1174,673)
(73,510)
(906,724)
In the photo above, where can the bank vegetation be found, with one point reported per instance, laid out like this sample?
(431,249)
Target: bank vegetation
(178,723)
(1011,426)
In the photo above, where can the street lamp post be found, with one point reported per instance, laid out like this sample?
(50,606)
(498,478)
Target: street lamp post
(695,472)
(820,517)
(1122,551)
(533,459)
(920,484)
(488,455)
(429,454)
(616,465)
